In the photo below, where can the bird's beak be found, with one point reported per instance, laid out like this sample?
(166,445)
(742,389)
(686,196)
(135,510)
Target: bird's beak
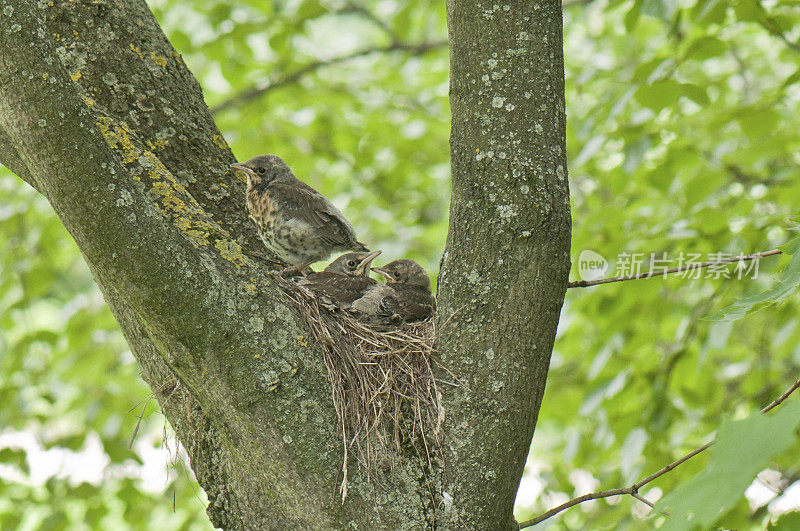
(242,167)
(362,267)
(382,272)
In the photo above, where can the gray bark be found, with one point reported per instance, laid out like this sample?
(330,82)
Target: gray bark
(99,114)
(506,263)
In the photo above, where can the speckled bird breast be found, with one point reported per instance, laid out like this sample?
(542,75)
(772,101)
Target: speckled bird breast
(262,208)
(290,239)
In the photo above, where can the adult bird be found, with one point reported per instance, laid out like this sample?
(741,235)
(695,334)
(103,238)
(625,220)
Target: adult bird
(344,280)
(406,296)
(295,222)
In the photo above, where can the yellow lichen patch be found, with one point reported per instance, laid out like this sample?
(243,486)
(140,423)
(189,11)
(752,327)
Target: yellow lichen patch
(302,341)
(117,137)
(219,141)
(89,101)
(135,49)
(251,288)
(158,144)
(174,200)
(199,238)
(183,224)
(75,76)
(160,60)
(168,199)
(230,251)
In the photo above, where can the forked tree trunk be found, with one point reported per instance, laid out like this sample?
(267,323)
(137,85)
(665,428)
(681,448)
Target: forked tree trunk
(506,262)
(99,114)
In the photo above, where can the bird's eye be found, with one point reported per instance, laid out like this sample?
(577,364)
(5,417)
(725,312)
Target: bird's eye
(262,170)
(351,263)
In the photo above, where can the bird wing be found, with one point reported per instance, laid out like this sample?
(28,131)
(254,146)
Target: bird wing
(409,303)
(300,201)
(343,289)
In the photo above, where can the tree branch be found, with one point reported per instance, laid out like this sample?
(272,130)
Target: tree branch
(499,289)
(633,490)
(654,273)
(260,90)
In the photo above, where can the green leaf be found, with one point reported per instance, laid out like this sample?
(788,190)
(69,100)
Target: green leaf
(707,12)
(786,287)
(706,48)
(632,16)
(741,450)
(748,10)
(791,246)
(787,522)
(660,94)
(696,93)
(14,457)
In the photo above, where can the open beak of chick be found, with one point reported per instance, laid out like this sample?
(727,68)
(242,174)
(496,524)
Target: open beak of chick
(242,167)
(386,274)
(366,261)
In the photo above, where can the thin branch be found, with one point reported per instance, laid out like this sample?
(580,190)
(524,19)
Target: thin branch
(654,273)
(138,421)
(633,490)
(778,401)
(260,90)
(643,500)
(673,465)
(575,501)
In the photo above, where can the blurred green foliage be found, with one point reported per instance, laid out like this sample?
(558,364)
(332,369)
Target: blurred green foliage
(683,137)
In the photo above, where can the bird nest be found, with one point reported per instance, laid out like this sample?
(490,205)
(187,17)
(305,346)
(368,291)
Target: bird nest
(386,395)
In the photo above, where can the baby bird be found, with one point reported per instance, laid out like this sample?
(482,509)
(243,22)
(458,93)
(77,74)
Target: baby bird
(295,222)
(406,296)
(344,280)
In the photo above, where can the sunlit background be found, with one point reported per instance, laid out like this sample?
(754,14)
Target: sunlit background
(683,130)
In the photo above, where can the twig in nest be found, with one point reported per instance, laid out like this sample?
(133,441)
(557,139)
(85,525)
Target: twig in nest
(382,379)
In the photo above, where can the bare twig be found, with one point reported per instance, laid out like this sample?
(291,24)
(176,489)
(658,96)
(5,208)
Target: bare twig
(658,273)
(778,401)
(138,421)
(633,490)
(260,90)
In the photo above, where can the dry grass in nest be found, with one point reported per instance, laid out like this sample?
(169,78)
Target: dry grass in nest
(386,396)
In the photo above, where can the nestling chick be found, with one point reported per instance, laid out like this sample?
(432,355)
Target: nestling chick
(344,280)
(295,222)
(405,297)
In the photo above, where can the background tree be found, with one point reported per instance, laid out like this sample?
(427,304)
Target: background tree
(681,134)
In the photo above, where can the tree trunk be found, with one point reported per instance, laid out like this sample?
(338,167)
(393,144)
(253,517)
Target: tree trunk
(506,263)
(99,114)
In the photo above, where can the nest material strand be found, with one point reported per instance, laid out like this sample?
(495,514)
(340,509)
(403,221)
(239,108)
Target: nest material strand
(386,396)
